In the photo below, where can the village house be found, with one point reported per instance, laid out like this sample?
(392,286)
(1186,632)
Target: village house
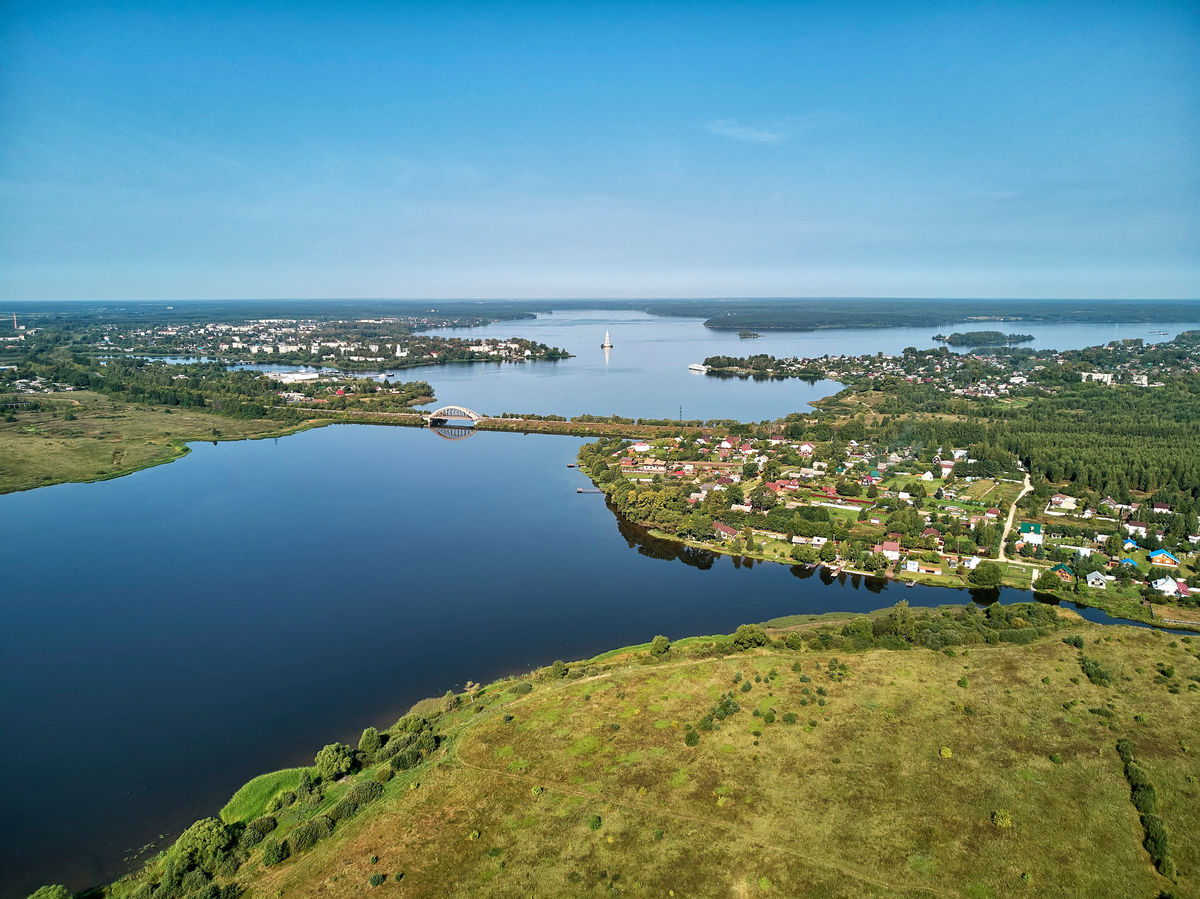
(724,531)
(1163,558)
(1166,586)
(1097,581)
(1031,533)
(1064,573)
(889,548)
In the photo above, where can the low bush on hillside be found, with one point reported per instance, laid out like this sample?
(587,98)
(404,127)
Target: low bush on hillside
(906,628)
(1095,673)
(1145,799)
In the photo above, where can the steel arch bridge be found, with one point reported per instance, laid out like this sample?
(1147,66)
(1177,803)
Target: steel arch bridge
(454,417)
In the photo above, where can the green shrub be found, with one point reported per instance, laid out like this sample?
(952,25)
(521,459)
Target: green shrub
(366,791)
(1096,674)
(746,686)
(659,645)
(334,761)
(692,738)
(264,825)
(789,717)
(748,636)
(769,717)
(274,852)
(306,835)
(201,845)
(559,668)
(52,891)
(1002,819)
(1157,842)
(1145,799)
(522,688)
(370,742)
(594,822)
(384,773)
(376,879)
(194,881)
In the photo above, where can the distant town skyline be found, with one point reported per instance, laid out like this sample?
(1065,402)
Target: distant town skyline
(614,151)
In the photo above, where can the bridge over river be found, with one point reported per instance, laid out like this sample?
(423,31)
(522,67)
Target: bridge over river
(453,422)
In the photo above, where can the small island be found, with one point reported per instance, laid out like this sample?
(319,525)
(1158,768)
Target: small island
(982,338)
(748,335)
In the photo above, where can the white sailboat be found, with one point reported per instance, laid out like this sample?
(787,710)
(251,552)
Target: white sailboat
(607,345)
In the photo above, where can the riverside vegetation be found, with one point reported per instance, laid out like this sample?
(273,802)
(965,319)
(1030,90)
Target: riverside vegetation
(908,752)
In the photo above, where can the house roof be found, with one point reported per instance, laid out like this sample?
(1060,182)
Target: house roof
(1163,552)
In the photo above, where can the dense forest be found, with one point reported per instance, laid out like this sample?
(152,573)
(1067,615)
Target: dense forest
(812,314)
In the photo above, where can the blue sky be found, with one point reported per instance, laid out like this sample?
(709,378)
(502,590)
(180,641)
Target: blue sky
(519,149)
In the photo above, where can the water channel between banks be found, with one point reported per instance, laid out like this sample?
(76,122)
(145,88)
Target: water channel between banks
(173,633)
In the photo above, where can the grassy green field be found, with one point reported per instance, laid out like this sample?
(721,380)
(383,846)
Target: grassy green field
(106,439)
(981,771)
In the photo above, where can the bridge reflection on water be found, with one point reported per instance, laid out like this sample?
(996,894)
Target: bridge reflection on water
(452,432)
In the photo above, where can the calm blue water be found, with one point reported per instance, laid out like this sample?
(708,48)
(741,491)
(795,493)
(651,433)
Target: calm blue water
(646,374)
(170,634)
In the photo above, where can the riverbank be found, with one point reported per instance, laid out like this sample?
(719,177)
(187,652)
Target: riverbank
(620,770)
(89,437)
(1114,607)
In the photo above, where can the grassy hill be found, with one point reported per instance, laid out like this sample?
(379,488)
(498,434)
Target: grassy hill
(810,760)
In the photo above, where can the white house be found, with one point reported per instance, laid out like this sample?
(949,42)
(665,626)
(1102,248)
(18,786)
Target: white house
(1166,586)
(1097,581)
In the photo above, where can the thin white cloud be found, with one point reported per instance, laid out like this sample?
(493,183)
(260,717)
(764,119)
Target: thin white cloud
(750,133)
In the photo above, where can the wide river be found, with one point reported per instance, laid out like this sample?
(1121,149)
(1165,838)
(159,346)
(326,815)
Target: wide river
(170,634)
(646,374)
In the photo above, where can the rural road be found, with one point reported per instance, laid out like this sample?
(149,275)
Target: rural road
(1012,513)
